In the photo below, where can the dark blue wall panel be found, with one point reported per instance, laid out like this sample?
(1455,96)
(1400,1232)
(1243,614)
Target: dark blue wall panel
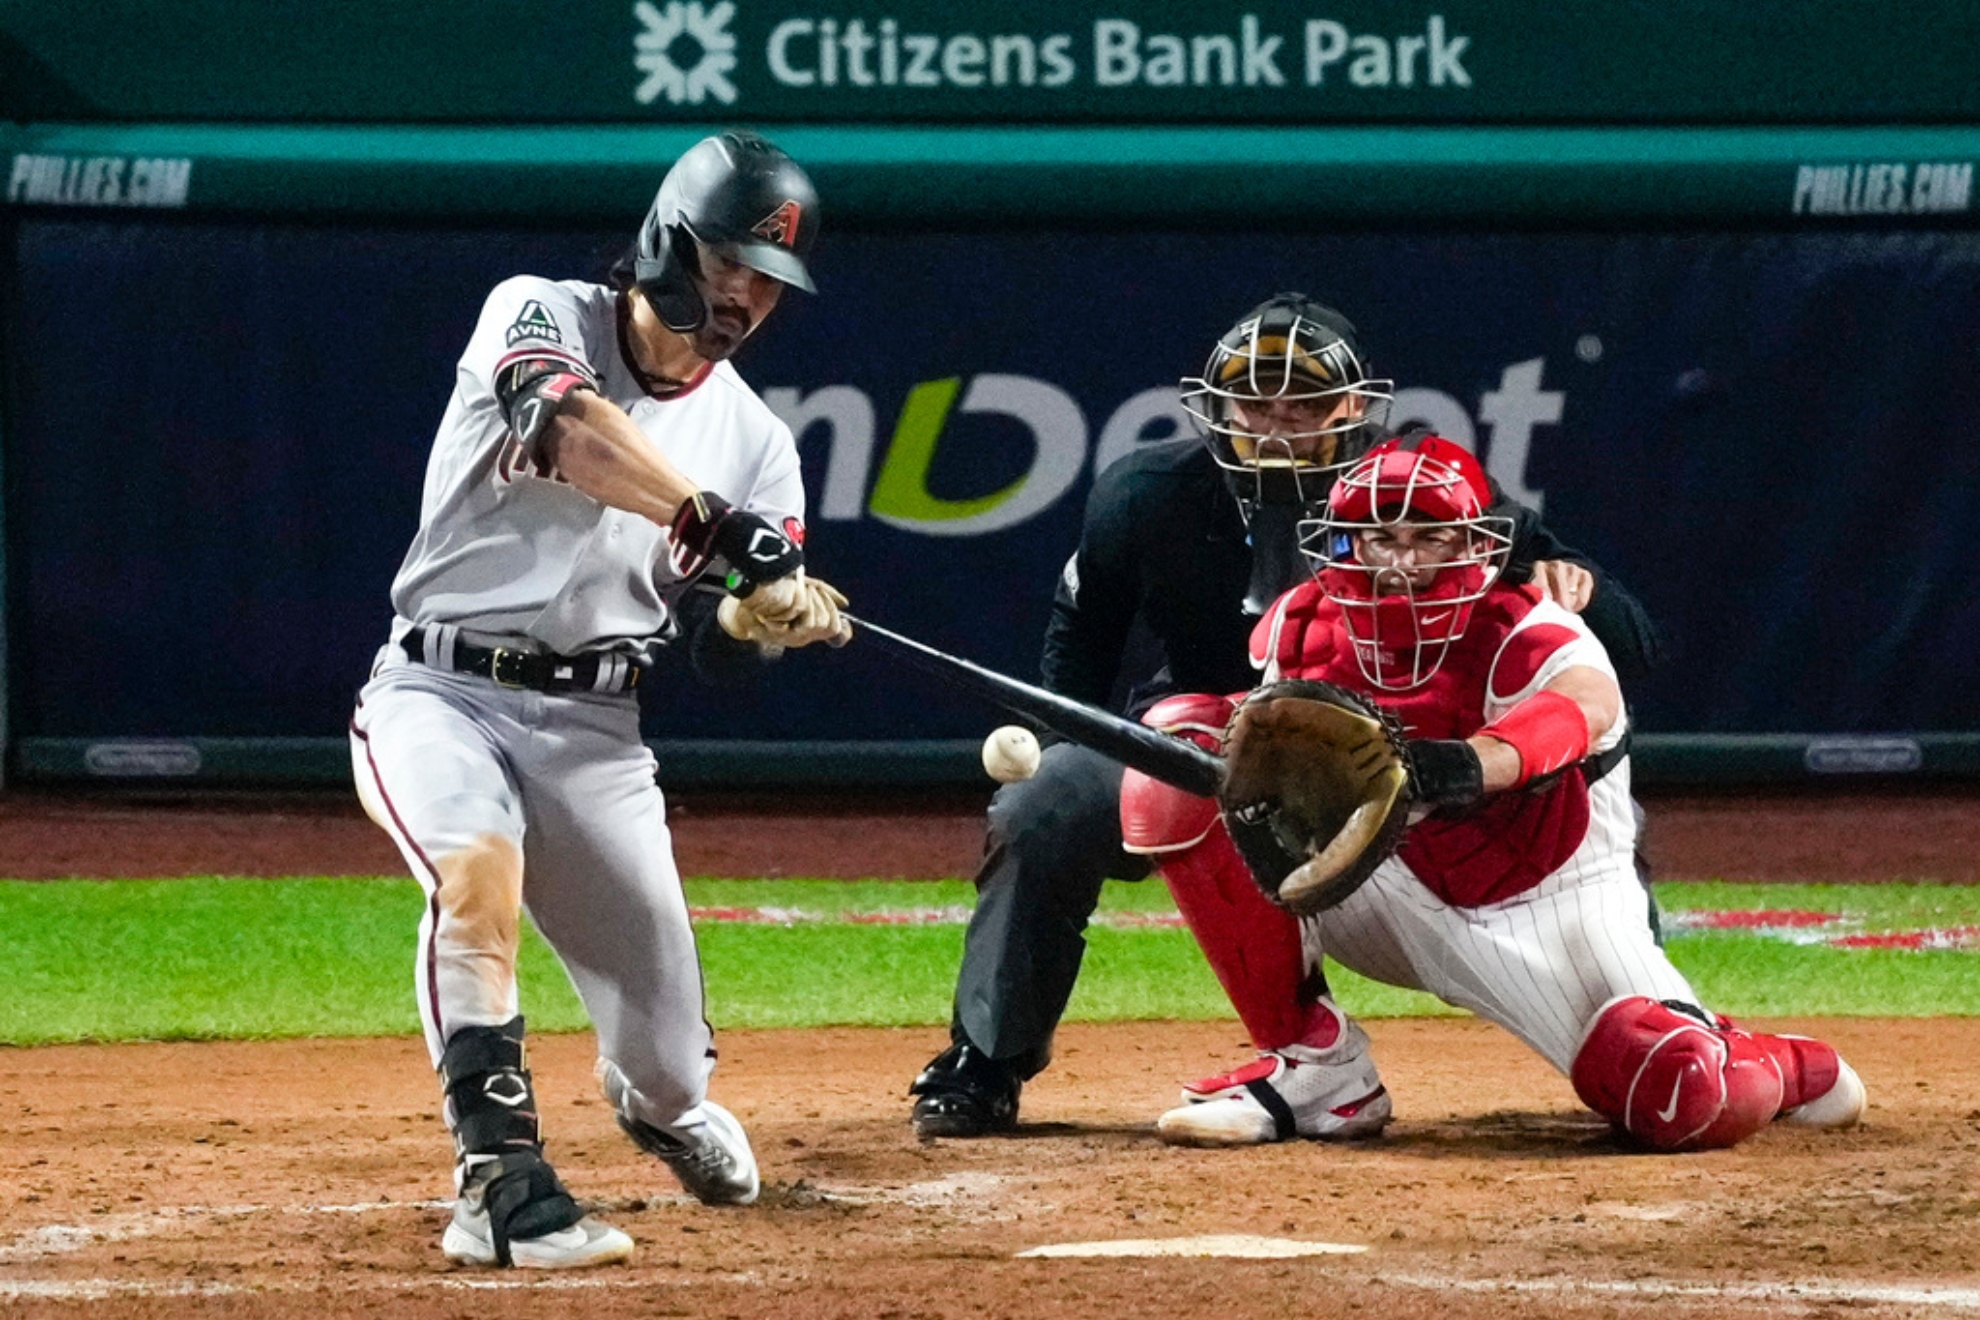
(218,432)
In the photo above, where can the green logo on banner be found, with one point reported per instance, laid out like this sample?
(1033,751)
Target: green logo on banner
(1058,431)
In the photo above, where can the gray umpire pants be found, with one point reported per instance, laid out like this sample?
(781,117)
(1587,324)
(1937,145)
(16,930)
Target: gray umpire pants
(1051,842)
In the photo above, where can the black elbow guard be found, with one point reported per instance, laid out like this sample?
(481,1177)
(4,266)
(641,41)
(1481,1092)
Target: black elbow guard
(529,392)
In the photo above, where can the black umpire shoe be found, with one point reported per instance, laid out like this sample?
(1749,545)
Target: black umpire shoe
(963,1092)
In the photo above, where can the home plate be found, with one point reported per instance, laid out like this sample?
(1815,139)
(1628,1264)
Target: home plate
(1243,1245)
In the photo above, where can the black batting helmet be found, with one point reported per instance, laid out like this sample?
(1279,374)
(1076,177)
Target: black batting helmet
(736,192)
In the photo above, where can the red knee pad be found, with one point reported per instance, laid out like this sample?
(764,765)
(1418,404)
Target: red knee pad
(1672,1081)
(1156,818)
(1197,716)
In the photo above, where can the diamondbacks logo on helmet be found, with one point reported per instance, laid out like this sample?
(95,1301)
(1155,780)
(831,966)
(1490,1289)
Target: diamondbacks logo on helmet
(781,225)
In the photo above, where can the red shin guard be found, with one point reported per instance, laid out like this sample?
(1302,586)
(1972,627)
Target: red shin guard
(1673,1082)
(1809,1068)
(1253,946)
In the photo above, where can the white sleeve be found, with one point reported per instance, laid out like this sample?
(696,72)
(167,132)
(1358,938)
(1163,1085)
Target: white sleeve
(528,317)
(778,492)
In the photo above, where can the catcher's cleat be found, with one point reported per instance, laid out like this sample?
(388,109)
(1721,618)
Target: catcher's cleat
(963,1092)
(1838,1097)
(513,1211)
(1333,1094)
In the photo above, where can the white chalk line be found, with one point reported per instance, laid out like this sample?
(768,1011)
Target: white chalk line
(1225,1246)
(86,1290)
(1947,1296)
(63,1239)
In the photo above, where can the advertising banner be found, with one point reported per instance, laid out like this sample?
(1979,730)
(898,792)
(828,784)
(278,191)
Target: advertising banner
(1032,61)
(892,176)
(217,443)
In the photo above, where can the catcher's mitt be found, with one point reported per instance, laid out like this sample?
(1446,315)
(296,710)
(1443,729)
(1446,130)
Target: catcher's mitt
(1316,791)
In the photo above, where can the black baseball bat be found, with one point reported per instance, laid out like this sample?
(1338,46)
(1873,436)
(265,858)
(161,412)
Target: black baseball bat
(1175,762)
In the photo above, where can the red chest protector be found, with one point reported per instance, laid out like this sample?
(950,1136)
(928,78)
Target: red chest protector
(1511,841)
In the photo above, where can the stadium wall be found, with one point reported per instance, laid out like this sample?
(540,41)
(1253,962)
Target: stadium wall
(1699,330)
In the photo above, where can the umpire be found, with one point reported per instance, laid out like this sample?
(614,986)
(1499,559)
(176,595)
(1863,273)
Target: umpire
(1190,540)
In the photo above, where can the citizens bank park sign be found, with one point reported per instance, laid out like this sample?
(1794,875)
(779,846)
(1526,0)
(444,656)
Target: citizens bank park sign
(687,54)
(1270,62)
(1607,62)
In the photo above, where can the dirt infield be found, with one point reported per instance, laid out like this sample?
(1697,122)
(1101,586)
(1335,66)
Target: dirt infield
(265,1179)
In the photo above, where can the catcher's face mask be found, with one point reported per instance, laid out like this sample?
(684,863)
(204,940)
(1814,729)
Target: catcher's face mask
(1406,549)
(1280,399)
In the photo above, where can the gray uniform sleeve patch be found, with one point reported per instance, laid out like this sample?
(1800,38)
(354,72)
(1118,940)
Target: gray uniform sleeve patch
(533,322)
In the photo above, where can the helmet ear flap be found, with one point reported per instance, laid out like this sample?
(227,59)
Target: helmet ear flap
(666,272)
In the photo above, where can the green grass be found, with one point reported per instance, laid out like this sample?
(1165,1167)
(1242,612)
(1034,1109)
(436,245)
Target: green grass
(168,959)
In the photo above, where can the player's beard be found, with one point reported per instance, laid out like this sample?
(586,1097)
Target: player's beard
(722,332)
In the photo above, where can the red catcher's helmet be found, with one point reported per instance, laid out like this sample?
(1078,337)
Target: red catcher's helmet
(1406,596)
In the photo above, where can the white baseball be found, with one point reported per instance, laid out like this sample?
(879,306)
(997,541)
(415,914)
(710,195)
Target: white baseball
(1010,754)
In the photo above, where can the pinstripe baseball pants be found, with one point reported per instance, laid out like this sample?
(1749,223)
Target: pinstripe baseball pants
(1539,964)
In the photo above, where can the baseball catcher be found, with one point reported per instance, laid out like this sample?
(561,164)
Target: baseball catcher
(1486,859)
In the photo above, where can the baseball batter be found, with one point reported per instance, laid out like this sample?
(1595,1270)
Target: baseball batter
(598,455)
(1516,898)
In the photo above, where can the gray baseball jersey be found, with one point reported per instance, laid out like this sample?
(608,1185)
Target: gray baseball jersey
(507,547)
(502,798)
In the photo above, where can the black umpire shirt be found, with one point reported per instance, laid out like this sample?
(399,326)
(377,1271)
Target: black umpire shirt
(1163,542)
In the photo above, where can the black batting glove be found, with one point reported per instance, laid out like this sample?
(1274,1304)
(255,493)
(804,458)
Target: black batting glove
(708,525)
(1445,773)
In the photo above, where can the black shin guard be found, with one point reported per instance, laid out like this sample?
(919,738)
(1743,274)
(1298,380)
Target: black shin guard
(491,1109)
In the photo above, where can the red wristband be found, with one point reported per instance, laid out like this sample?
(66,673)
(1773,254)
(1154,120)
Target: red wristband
(1548,731)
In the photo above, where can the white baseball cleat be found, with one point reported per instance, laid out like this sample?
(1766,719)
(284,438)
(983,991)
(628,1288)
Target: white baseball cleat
(1334,1094)
(1838,1107)
(708,1151)
(469,1241)
(706,1147)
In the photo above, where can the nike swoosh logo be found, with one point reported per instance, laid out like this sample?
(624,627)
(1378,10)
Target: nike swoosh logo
(1669,1111)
